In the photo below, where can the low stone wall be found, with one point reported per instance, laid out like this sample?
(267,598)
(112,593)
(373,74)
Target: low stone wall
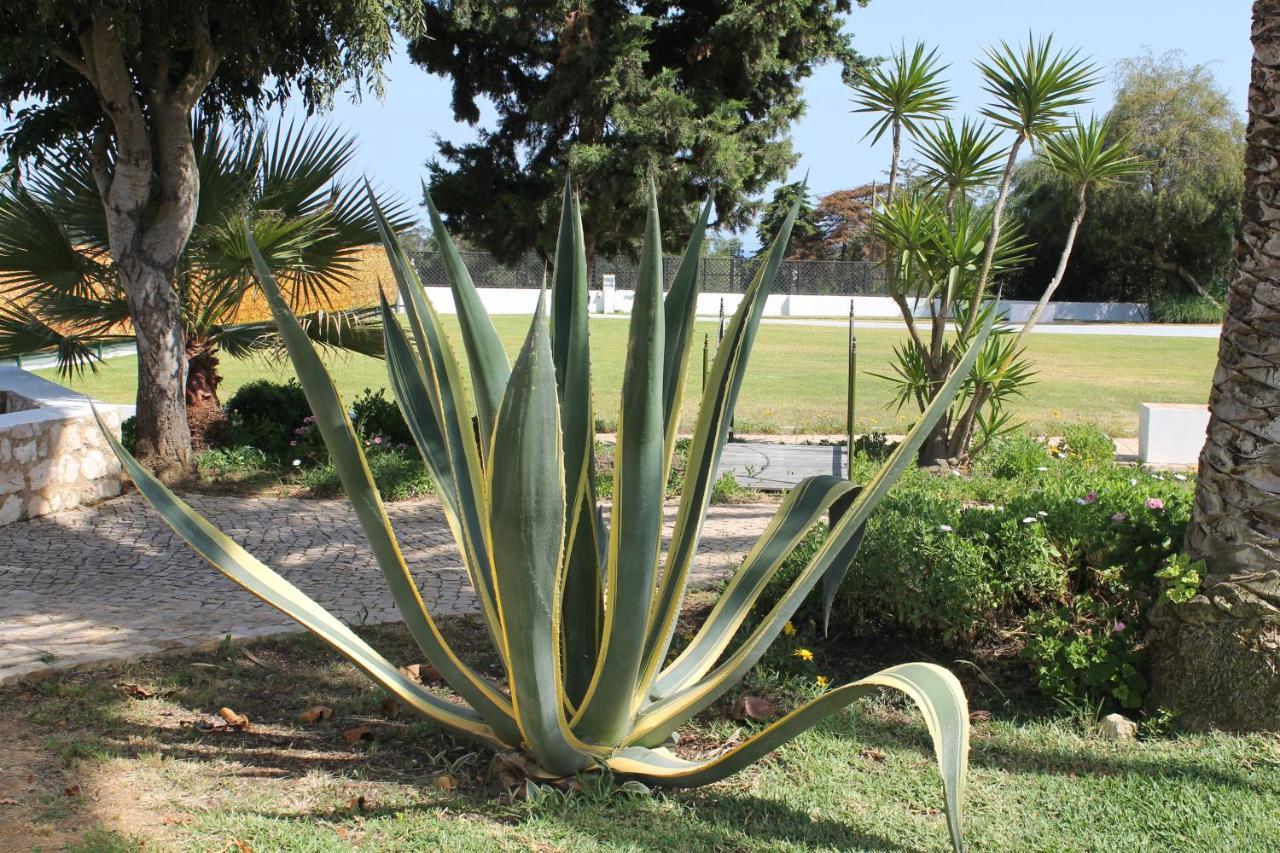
(52,454)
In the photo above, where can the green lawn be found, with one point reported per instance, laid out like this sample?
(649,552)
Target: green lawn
(796,380)
(119,761)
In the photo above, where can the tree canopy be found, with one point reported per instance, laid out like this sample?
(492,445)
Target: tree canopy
(1171,225)
(698,95)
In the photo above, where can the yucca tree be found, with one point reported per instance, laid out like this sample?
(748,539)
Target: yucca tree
(959,161)
(65,294)
(905,95)
(1086,159)
(582,614)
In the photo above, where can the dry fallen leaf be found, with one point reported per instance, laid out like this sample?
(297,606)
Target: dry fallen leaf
(358,803)
(8,801)
(510,769)
(358,733)
(319,712)
(242,846)
(390,708)
(253,659)
(234,720)
(445,783)
(424,673)
(753,708)
(72,790)
(873,755)
(979,716)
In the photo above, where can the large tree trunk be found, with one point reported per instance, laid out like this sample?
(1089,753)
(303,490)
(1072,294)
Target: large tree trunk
(150,191)
(1216,659)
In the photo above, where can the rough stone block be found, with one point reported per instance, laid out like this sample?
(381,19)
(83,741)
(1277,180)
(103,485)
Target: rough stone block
(11,509)
(24,453)
(94,465)
(41,474)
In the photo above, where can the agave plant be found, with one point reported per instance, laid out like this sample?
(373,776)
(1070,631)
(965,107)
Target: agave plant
(582,613)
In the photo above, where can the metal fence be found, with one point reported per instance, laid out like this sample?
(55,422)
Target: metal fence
(717,274)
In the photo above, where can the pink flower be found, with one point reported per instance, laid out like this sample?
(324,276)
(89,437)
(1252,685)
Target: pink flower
(1090,496)
(1118,627)
(377,439)
(1118,517)
(293,443)
(1155,504)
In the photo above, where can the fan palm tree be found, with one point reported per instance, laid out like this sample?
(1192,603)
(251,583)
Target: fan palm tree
(65,297)
(906,94)
(1086,160)
(1215,657)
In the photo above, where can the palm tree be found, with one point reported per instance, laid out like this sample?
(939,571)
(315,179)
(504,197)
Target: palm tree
(904,95)
(959,161)
(1215,658)
(66,297)
(1086,160)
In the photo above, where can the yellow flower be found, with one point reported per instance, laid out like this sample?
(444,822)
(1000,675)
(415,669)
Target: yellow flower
(823,681)
(803,654)
(788,629)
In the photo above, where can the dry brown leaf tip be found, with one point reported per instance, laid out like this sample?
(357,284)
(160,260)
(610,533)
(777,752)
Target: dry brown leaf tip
(357,734)
(753,708)
(234,720)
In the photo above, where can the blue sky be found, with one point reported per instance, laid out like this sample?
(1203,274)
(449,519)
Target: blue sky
(396,134)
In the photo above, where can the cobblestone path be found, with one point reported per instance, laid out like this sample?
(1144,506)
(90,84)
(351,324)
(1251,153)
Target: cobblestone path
(112,582)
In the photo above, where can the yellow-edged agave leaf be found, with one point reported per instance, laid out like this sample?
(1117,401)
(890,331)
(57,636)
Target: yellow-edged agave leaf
(935,691)
(798,512)
(353,470)
(582,594)
(714,417)
(241,567)
(488,360)
(680,310)
(526,483)
(639,484)
(663,716)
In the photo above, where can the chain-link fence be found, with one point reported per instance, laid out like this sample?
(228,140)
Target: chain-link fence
(717,274)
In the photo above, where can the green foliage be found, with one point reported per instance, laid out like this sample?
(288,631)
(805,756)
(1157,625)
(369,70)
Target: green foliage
(398,475)
(129,432)
(241,461)
(1180,578)
(1170,228)
(581,616)
(1178,308)
(266,415)
(699,97)
(805,233)
(376,416)
(1060,546)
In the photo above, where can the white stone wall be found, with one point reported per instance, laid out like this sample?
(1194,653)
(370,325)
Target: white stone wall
(53,456)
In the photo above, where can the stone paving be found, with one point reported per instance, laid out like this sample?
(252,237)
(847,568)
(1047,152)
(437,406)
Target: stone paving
(112,582)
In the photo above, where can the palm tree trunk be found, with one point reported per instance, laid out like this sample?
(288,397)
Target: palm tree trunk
(1062,266)
(1216,659)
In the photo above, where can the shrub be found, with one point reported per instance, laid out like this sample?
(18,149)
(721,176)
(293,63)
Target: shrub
(398,476)
(129,433)
(1171,308)
(265,414)
(1087,444)
(1057,550)
(374,414)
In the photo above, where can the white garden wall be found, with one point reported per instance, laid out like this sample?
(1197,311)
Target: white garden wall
(501,300)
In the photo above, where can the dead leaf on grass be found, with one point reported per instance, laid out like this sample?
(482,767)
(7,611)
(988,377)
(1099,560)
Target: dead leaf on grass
(242,846)
(254,659)
(979,716)
(390,707)
(873,755)
(446,782)
(72,790)
(8,801)
(357,803)
(319,712)
(423,673)
(357,734)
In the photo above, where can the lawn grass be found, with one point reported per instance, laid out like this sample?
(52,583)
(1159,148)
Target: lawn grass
(125,760)
(796,379)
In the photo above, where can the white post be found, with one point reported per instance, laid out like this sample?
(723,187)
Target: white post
(609,283)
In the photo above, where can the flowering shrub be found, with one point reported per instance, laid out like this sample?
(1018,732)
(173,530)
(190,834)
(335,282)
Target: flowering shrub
(1053,547)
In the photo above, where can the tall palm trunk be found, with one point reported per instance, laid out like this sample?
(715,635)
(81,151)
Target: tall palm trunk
(1216,659)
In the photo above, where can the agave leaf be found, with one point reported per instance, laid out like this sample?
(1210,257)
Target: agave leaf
(241,567)
(526,523)
(353,469)
(582,594)
(662,717)
(714,416)
(413,393)
(839,567)
(488,360)
(640,469)
(680,309)
(935,691)
(798,512)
